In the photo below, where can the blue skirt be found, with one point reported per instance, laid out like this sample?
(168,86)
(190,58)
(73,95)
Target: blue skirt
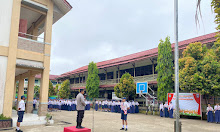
(133,109)
(136,109)
(210,117)
(171,113)
(96,107)
(166,112)
(217,116)
(112,109)
(161,113)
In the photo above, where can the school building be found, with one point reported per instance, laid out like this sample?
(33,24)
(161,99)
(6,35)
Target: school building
(140,65)
(23,54)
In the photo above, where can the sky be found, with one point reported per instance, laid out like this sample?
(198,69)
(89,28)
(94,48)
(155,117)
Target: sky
(98,30)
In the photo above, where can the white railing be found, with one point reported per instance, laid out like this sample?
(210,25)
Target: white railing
(32,37)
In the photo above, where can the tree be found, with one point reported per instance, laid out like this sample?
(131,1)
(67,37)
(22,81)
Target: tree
(51,89)
(92,83)
(126,87)
(57,88)
(36,91)
(200,70)
(164,69)
(64,91)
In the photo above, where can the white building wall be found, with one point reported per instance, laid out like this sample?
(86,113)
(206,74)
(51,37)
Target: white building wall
(5,27)
(3,69)
(5,21)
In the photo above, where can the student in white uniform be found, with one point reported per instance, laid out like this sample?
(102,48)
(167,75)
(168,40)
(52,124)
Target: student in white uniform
(21,110)
(161,109)
(136,107)
(209,113)
(124,112)
(34,103)
(170,107)
(217,113)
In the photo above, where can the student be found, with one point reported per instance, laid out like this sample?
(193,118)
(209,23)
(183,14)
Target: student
(161,109)
(133,107)
(124,112)
(21,109)
(166,110)
(100,105)
(34,103)
(170,107)
(129,104)
(112,106)
(209,113)
(96,105)
(217,113)
(103,104)
(136,107)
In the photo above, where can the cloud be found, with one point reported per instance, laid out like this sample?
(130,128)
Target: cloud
(98,30)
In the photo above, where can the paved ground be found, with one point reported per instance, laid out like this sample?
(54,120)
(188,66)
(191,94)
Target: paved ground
(110,122)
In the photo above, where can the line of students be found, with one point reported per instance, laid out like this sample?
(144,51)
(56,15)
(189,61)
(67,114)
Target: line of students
(166,110)
(211,111)
(114,106)
(68,105)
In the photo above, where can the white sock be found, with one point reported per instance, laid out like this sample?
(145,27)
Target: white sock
(126,126)
(17,128)
(123,126)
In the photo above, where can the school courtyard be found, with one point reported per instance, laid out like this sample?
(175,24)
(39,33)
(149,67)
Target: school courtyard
(110,122)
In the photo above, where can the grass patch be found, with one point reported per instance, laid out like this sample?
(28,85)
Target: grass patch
(2,117)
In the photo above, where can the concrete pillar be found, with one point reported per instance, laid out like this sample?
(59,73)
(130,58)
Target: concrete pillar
(30,93)
(20,88)
(14,95)
(118,74)
(11,62)
(153,68)
(47,50)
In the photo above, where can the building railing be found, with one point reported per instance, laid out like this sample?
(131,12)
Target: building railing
(115,81)
(31,43)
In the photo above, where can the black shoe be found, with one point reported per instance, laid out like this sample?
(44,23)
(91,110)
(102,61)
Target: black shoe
(19,130)
(122,129)
(126,129)
(81,127)
(77,127)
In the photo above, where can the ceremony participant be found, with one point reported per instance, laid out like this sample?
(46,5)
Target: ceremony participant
(136,107)
(109,105)
(161,109)
(59,105)
(103,105)
(209,113)
(113,106)
(34,103)
(133,107)
(124,112)
(96,105)
(21,109)
(129,104)
(100,105)
(166,109)
(80,108)
(217,113)
(170,107)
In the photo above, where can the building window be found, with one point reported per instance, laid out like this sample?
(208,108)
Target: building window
(71,80)
(110,75)
(102,76)
(77,80)
(36,81)
(26,79)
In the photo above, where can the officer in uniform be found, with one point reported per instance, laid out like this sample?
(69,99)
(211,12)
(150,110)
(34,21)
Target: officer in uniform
(80,108)
(21,109)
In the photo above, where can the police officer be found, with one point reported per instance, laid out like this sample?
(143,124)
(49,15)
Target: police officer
(80,108)
(21,109)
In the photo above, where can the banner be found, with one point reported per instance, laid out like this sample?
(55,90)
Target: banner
(189,103)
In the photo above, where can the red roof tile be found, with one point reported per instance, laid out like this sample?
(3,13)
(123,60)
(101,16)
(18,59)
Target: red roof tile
(141,55)
(52,77)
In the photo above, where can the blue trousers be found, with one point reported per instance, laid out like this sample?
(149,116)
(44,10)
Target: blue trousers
(210,117)
(161,113)
(171,113)
(96,107)
(136,109)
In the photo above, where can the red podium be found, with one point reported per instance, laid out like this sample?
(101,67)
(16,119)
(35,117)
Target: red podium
(74,129)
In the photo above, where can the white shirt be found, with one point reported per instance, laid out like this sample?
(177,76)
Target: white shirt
(170,106)
(136,103)
(125,106)
(166,105)
(161,106)
(133,103)
(34,101)
(209,109)
(21,105)
(217,107)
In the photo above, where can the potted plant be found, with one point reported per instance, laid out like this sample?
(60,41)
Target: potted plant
(5,122)
(49,119)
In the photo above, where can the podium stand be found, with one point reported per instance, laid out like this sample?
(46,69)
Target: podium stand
(74,129)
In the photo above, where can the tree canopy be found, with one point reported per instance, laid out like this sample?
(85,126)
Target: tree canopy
(164,69)
(64,91)
(200,69)
(126,87)
(51,89)
(92,83)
